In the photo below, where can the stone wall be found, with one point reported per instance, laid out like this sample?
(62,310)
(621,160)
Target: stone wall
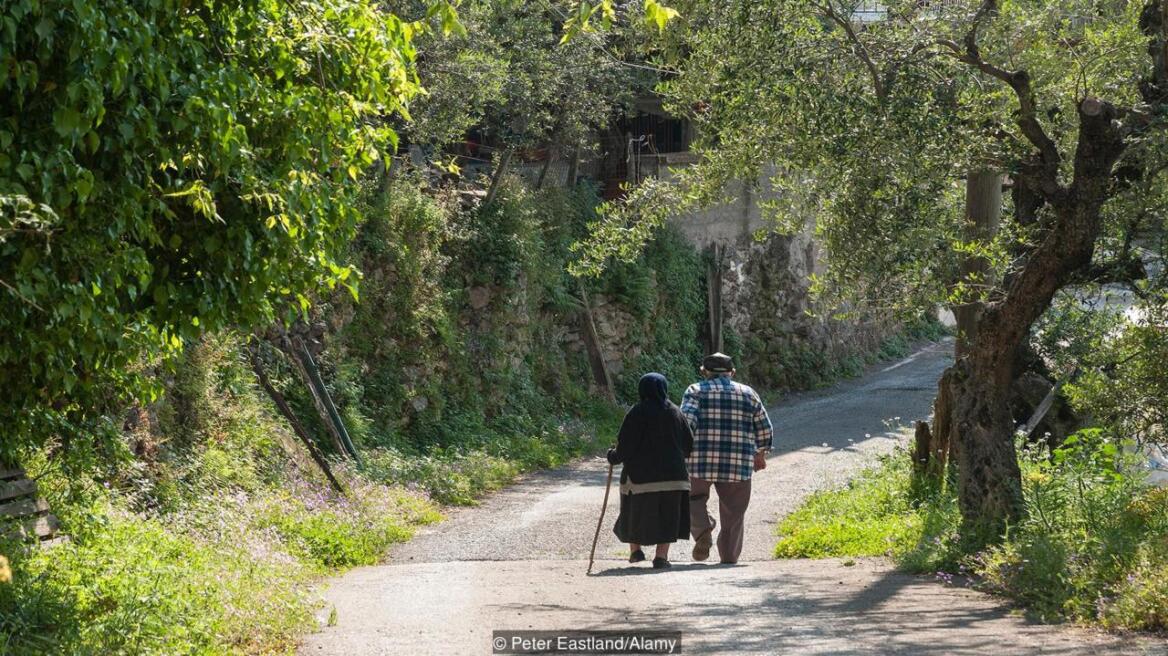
(783,339)
(622,336)
(780,337)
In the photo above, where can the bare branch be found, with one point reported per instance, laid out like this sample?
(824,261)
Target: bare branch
(20,296)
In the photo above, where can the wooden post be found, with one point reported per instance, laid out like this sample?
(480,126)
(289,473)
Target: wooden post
(983,215)
(321,393)
(600,372)
(573,167)
(714,297)
(293,421)
(551,159)
(497,178)
(291,351)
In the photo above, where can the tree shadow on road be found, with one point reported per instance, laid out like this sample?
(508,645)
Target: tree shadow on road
(807,610)
(639,570)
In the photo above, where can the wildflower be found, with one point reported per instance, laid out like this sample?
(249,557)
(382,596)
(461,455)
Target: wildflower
(5,572)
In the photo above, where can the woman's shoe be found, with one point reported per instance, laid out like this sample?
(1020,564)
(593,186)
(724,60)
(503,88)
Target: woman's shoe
(661,563)
(637,556)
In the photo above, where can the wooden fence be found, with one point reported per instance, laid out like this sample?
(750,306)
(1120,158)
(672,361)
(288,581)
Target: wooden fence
(24,515)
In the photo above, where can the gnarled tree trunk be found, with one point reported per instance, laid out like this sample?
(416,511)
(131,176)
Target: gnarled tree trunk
(988,476)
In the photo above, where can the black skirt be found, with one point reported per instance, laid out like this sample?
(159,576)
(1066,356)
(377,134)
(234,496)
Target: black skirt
(653,517)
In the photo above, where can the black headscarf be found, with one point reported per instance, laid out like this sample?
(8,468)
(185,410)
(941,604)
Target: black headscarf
(654,390)
(655,438)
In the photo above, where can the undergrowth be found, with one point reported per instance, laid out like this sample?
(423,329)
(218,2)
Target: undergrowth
(1093,547)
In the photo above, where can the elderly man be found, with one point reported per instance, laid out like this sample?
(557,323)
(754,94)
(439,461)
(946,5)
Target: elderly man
(732,434)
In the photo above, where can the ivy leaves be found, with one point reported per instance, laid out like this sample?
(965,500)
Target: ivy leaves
(174,166)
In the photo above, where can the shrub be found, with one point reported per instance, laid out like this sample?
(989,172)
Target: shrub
(1092,548)
(132,586)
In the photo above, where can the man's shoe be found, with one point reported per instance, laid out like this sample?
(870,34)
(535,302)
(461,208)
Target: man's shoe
(661,563)
(637,556)
(701,550)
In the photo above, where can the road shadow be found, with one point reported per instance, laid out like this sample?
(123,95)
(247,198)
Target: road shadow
(641,570)
(811,612)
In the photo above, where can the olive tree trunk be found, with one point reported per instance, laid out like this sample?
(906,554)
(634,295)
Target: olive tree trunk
(988,476)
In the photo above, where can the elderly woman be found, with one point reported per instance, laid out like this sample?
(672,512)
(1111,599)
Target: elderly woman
(653,443)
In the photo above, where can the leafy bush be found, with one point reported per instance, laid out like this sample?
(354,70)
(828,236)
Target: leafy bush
(130,585)
(188,174)
(1092,548)
(226,574)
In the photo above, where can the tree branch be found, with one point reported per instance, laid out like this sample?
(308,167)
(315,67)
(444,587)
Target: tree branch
(968,52)
(829,12)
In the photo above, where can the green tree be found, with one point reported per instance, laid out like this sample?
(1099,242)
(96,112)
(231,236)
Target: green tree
(169,167)
(522,75)
(873,118)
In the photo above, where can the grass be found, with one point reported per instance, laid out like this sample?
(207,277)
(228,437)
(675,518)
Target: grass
(1092,549)
(213,545)
(460,477)
(876,514)
(227,575)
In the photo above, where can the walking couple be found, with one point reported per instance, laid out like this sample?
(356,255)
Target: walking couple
(672,457)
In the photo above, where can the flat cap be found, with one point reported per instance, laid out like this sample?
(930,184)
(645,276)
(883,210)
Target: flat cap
(718,363)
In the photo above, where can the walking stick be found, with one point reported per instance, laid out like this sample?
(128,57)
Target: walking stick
(599,522)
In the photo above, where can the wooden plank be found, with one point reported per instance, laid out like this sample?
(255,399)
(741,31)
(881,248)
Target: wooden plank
(8,474)
(17,489)
(22,507)
(41,527)
(1043,408)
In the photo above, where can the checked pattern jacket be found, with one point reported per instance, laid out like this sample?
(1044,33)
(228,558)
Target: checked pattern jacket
(730,424)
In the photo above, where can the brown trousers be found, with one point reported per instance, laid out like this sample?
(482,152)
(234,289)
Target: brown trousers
(732,501)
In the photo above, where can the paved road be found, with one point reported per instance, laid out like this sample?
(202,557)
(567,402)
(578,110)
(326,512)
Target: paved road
(518,562)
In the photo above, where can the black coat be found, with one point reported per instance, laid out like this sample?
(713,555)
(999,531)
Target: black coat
(654,440)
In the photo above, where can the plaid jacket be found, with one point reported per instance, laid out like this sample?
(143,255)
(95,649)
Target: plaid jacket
(730,424)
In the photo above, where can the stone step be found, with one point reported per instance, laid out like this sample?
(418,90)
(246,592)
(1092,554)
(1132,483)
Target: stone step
(41,527)
(19,488)
(23,506)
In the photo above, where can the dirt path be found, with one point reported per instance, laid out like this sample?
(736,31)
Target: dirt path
(518,561)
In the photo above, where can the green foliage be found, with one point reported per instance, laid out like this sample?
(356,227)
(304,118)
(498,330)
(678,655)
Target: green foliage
(200,543)
(447,387)
(1124,384)
(345,532)
(169,167)
(220,577)
(879,513)
(665,288)
(131,586)
(582,19)
(868,148)
(510,77)
(1092,547)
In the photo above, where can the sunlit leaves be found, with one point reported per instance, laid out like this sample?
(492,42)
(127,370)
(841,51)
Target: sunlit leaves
(170,167)
(872,125)
(583,19)
(657,14)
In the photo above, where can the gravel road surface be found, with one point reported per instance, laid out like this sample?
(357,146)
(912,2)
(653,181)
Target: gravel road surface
(518,561)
